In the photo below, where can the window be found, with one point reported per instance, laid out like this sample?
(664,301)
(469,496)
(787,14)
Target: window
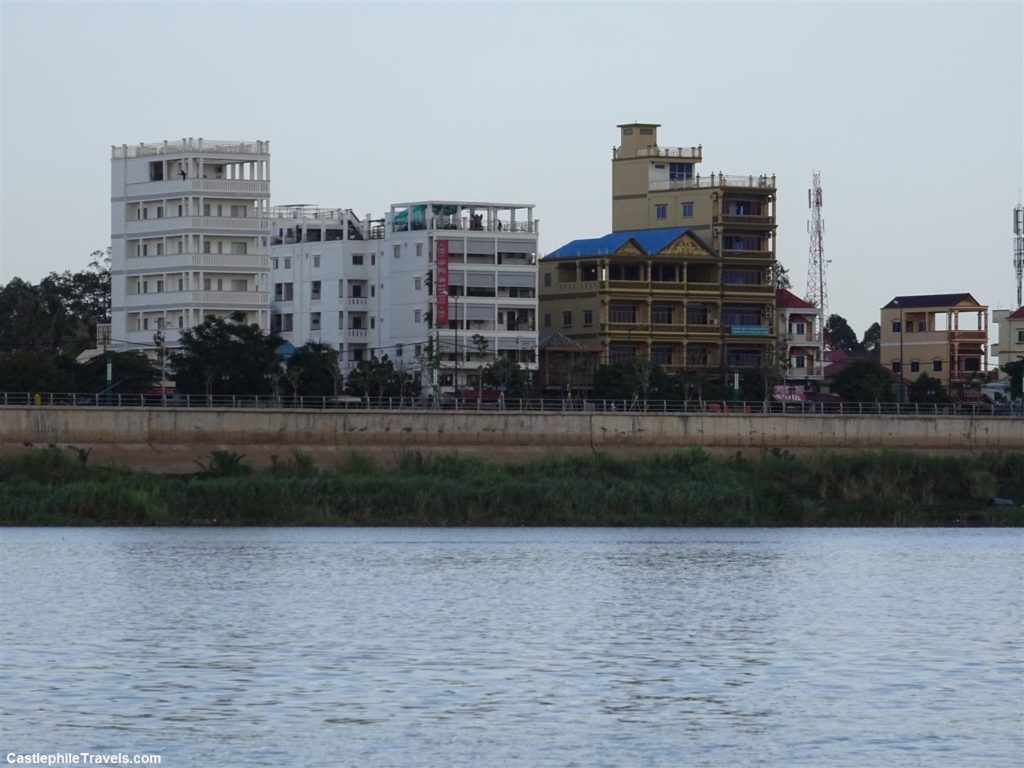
(206,283)
(588,317)
(237,211)
(922,326)
(373,259)
(145,250)
(799,329)
(895,326)
(660,211)
(418,350)
(341,320)
(799,361)
(287,263)
(206,209)
(398,251)
(547,280)
(314,321)
(373,322)
(159,211)
(567,319)
(417,283)
(145,286)
(896,366)
(547,320)
(181,284)
(937,366)
(357,259)
(181,210)
(145,324)
(315,290)
(680,171)
(661,355)
(915,366)
(622,313)
(687,210)
(1020,335)
(277,263)
(661,314)
(145,213)
(419,249)
(239,249)
(417,316)
(316,261)
(159,286)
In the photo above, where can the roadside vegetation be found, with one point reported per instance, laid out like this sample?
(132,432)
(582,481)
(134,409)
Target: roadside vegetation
(687,488)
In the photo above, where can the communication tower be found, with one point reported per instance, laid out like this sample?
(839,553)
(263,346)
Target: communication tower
(817,294)
(1018,248)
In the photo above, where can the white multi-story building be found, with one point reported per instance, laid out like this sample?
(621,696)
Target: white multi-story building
(189,236)
(326,277)
(455,277)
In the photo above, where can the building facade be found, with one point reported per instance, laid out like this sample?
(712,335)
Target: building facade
(1010,345)
(662,295)
(189,237)
(438,281)
(943,335)
(687,276)
(800,330)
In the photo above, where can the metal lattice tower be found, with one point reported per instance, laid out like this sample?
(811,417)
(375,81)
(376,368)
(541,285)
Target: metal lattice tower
(817,293)
(1018,249)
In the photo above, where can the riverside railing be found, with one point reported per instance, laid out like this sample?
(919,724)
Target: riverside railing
(533,404)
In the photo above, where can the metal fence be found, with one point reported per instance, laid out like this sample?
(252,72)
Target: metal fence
(523,405)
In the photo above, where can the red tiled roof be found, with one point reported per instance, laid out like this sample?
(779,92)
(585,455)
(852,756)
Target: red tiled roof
(1018,315)
(787,300)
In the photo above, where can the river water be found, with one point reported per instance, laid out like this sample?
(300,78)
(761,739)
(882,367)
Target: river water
(521,647)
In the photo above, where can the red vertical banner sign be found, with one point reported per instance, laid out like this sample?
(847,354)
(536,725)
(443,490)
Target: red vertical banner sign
(441,257)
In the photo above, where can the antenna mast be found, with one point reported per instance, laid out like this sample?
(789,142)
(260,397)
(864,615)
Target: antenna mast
(1018,248)
(817,293)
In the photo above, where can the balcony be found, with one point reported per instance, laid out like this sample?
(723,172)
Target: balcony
(355,333)
(204,299)
(180,261)
(745,220)
(178,187)
(684,153)
(717,181)
(589,286)
(192,146)
(253,224)
(744,253)
(355,302)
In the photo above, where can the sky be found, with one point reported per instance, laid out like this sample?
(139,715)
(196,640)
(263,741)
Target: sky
(913,113)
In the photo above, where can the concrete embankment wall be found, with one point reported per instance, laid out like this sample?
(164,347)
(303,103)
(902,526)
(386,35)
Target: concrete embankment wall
(209,428)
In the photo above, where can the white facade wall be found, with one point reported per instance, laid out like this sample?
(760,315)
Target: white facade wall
(327,291)
(387,305)
(189,236)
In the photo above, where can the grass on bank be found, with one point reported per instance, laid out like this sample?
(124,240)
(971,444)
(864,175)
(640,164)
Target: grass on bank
(684,488)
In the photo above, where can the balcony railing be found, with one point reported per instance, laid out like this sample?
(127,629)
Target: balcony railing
(687,153)
(192,146)
(174,187)
(716,180)
(443,223)
(206,299)
(255,224)
(179,261)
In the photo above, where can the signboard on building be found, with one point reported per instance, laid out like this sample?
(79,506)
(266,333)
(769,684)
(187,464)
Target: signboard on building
(789,393)
(441,259)
(750,330)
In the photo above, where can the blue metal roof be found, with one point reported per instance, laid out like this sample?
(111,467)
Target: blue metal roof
(650,241)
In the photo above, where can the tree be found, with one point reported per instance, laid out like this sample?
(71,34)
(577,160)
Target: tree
(59,314)
(30,372)
(507,376)
(378,378)
(864,382)
(226,356)
(132,373)
(1015,371)
(841,334)
(927,390)
(872,338)
(313,370)
(782,280)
